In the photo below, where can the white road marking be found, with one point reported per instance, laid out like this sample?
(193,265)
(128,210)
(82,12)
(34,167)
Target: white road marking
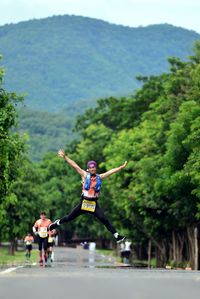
(9,270)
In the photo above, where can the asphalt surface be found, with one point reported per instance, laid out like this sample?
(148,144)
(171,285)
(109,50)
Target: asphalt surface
(78,273)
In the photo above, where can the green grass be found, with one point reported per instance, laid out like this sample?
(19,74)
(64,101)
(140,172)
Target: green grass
(17,259)
(107,252)
(145,263)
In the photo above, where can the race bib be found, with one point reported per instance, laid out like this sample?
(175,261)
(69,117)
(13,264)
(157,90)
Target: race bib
(88,205)
(50,240)
(28,243)
(43,232)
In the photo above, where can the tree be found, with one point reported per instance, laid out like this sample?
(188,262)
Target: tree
(11,149)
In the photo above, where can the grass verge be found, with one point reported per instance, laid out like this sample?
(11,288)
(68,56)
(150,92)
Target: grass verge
(18,259)
(107,252)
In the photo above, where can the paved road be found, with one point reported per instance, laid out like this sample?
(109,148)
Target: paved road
(77,274)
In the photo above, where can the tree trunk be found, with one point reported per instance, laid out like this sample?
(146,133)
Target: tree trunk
(12,247)
(196,249)
(170,251)
(16,244)
(181,242)
(191,243)
(161,254)
(174,245)
(149,253)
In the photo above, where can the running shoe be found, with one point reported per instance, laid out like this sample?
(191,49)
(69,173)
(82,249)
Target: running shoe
(53,225)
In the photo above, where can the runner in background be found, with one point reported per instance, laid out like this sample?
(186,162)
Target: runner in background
(50,245)
(122,247)
(127,252)
(40,230)
(28,240)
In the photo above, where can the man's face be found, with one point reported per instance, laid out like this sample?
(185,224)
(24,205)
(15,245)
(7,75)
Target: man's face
(92,170)
(42,216)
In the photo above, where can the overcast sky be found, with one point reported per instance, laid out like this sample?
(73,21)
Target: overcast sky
(184,13)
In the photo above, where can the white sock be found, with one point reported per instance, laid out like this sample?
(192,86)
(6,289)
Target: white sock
(58,222)
(116,235)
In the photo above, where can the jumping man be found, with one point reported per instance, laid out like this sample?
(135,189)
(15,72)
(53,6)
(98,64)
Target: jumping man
(90,193)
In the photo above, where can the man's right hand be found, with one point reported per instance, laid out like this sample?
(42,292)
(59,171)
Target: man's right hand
(61,153)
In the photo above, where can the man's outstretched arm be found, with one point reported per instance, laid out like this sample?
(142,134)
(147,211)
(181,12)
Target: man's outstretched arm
(112,171)
(72,163)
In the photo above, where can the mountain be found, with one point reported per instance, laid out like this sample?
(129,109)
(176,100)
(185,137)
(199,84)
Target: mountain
(67,61)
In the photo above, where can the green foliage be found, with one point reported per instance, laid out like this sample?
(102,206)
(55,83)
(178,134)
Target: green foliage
(25,201)
(162,178)
(11,150)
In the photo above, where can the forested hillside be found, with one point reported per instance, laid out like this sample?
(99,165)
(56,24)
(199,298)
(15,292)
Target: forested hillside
(64,60)
(45,131)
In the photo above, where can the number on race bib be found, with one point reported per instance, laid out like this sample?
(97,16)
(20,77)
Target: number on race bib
(50,240)
(43,232)
(88,205)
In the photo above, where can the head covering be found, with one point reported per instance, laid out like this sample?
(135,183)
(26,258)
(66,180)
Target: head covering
(91,164)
